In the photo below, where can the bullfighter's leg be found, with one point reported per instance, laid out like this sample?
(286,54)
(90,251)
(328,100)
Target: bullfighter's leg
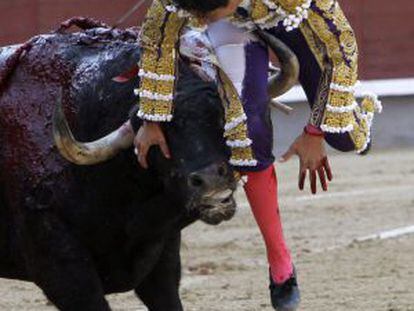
(251,82)
(59,264)
(160,290)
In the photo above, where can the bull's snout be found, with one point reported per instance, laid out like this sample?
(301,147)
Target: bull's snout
(213,186)
(209,178)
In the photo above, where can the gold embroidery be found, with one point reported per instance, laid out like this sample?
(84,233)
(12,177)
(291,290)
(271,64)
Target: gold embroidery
(317,48)
(334,32)
(259,10)
(159,36)
(345,75)
(290,5)
(234,111)
(336,120)
(324,5)
(320,27)
(340,99)
(318,107)
(361,132)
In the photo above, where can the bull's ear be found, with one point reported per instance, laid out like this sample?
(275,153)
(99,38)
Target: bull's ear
(127,75)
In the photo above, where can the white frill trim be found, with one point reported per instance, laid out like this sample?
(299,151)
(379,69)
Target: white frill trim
(342,109)
(153,96)
(337,130)
(155,117)
(293,21)
(155,76)
(278,14)
(173,9)
(271,5)
(369,118)
(239,143)
(243,162)
(233,123)
(344,88)
(374,97)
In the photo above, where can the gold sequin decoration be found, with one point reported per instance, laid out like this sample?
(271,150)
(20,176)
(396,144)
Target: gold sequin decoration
(259,10)
(290,5)
(341,99)
(233,110)
(324,5)
(338,120)
(318,49)
(159,36)
(342,50)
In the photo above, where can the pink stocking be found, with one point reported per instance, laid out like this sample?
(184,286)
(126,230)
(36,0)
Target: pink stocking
(261,191)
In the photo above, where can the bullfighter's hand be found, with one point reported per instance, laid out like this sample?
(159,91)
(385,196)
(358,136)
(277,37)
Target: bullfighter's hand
(150,134)
(312,157)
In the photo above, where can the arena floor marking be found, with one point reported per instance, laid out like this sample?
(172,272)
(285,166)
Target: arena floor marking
(380,236)
(388,234)
(349,193)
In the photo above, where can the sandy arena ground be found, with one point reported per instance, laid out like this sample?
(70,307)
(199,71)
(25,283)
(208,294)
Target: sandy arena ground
(225,269)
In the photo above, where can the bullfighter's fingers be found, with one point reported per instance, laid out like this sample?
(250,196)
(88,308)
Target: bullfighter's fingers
(325,163)
(302,177)
(142,156)
(312,177)
(164,148)
(322,179)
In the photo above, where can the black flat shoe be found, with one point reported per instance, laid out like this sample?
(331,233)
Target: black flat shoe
(285,296)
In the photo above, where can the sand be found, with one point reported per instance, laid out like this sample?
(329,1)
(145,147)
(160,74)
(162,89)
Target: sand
(224,267)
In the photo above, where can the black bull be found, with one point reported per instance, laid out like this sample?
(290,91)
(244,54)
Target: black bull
(80,232)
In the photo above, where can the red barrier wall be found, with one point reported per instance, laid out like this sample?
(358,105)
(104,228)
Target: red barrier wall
(385,30)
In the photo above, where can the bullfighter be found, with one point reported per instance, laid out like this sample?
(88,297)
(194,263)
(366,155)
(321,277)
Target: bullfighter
(320,35)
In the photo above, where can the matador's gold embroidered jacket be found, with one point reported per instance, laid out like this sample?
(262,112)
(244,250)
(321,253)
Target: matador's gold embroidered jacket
(316,30)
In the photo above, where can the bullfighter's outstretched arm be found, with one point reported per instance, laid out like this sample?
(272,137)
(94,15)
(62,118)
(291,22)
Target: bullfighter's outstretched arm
(321,36)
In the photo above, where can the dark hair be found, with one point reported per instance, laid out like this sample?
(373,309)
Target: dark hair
(201,6)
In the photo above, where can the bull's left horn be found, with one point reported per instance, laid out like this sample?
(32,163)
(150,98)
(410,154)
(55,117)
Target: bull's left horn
(88,153)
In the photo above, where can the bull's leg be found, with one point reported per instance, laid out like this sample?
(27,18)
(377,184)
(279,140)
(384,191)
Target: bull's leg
(59,264)
(160,290)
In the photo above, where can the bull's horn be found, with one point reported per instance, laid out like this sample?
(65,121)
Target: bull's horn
(283,81)
(88,153)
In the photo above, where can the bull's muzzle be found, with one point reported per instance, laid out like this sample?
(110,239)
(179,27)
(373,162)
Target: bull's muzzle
(212,191)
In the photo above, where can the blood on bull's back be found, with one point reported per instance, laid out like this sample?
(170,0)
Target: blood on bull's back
(33,175)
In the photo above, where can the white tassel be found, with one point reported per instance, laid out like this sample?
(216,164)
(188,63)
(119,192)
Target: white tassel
(235,122)
(156,96)
(337,130)
(243,162)
(344,88)
(239,143)
(154,76)
(154,117)
(342,109)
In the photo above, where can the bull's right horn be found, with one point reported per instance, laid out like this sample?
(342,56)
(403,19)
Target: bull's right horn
(88,153)
(283,81)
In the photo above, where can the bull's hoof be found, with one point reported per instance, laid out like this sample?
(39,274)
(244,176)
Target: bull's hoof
(285,296)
